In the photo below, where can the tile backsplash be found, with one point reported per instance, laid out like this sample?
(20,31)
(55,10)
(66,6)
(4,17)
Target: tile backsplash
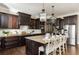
(19,31)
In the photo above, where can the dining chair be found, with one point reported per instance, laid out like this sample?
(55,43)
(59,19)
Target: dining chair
(58,44)
(64,43)
(54,44)
(50,47)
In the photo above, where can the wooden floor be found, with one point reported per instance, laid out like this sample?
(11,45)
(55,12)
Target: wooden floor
(72,50)
(14,51)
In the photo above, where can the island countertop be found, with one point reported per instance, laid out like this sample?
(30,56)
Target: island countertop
(40,39)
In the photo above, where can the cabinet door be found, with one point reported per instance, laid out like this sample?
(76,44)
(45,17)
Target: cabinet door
(10,22)
(0,20)
(24,18)
(66,20)
(61,23)
(57,22)
(14,22)
(4,20)
(72,20)
(32,24)
(37,24)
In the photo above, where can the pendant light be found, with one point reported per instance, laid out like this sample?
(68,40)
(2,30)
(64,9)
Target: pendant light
(43,15)
(53,18)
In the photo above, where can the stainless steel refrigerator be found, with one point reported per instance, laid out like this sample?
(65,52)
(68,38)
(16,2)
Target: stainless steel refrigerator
(70,34)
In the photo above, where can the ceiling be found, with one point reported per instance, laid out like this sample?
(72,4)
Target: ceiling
(35,8)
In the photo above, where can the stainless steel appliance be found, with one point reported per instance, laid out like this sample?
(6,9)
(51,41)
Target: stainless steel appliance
(70,33)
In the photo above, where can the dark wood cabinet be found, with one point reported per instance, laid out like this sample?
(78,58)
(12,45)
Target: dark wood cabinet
(37,25)
(13,22)
(59,22)
(24,18)
(8,21)
(4,20)
(66,20)
(34,24)
(0,44)
(42,27)
(70,20)
(32,47)
(11,42)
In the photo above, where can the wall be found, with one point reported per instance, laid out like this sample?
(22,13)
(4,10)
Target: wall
(78,30)
(5,9)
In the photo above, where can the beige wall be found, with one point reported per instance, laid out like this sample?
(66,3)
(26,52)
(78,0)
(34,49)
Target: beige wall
(78,30)
(6,9)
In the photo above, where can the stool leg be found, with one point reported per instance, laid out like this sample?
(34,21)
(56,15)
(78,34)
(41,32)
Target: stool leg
(63,49)
(60,50)
(39,53)
(66,47)
(54,52)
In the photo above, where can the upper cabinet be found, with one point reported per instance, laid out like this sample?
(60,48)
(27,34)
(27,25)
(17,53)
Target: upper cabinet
(60,23)
(13,22)
(70,20)
(8,21)
(24,19)
(34,24)
(37,24)
(4,20)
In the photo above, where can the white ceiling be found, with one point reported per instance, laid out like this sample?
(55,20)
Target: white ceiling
(35,8)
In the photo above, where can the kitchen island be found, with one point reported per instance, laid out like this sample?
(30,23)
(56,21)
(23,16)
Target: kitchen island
(31,45)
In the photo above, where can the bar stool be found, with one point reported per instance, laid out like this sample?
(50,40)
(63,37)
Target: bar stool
(64,43)
(47,38)
(54,44)
(59,44)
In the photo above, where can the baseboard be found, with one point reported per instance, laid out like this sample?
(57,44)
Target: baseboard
(70,45)
(77,42)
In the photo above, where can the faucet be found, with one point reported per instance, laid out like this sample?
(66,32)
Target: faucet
(31,32)
(16,32)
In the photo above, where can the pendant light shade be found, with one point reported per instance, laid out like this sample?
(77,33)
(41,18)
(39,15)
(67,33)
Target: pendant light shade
(43,15)
(53,18)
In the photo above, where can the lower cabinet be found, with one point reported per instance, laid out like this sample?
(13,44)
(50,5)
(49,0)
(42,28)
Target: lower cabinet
(11,42)
(32,47)
(0,44)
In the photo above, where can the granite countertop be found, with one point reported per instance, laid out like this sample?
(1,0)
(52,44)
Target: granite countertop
(39,39)
(26,35)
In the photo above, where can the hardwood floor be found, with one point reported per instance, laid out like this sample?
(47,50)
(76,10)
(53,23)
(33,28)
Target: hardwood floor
(71,50)
(14,51)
